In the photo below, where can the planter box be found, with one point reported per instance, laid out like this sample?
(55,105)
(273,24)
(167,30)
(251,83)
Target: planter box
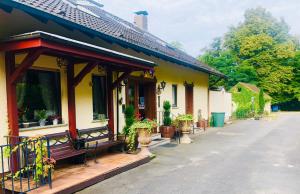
(167,131)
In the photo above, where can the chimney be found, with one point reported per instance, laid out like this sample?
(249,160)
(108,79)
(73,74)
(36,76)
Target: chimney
(141,20)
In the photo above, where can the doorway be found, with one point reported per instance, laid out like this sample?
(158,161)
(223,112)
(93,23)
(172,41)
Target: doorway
(189,99)
(141,94)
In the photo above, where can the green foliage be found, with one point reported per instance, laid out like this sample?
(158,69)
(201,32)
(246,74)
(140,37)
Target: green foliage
(144,124)
(129,118)
(242,97)
(186,117)
(41,164)
(260,51)
(167,119)
(41,115)
(243,112)
(261,102)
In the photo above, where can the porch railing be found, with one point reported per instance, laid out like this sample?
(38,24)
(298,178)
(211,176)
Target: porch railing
(20,170)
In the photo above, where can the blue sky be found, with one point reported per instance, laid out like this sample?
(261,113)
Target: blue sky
(195,23)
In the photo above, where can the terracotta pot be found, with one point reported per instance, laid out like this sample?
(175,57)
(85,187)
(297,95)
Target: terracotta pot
(144,138)
(167,131)
(185,128)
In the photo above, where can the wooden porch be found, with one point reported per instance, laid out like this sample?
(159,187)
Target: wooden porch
(71,178)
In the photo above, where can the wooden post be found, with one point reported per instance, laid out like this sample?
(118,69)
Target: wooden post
(12,108)
(71,100)
(110,101)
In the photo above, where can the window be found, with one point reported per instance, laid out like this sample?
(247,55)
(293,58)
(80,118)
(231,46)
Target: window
(39,98)
(174,95)
(99,98)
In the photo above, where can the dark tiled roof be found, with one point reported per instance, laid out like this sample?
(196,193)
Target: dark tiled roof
(109,27)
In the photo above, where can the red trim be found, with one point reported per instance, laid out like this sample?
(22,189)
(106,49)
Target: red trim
(89,54)
(21,45)
(78,52)
(12,108)
(87,69)
(26,63)
(110,102)
(71,101)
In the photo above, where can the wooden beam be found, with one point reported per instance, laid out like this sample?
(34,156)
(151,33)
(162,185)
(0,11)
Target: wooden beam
(87,69)
(110,101)
(31,57)
(12,108)
(71,100)
(124,76)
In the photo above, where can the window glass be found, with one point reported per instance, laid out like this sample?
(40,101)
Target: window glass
(174,95)
(99,98)
(39,98)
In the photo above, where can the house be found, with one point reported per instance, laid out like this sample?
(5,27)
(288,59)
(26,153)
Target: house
(244,93)
(83,65)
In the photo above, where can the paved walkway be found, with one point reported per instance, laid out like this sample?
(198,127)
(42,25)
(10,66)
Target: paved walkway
(260,157)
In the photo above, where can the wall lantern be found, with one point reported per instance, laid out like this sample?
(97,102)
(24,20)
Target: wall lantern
(61,62)
(161,86)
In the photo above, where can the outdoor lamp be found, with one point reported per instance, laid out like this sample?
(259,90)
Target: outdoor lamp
(162,85)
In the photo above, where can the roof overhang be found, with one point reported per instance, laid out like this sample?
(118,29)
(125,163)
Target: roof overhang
(59,45)
(9,4)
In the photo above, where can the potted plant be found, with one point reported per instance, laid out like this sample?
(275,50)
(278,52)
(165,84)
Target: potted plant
(142,129)
(167,130)
(55,119)
(185,122)
(41,116)
(129,120)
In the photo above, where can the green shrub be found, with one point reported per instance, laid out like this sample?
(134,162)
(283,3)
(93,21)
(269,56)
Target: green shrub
(129,118)
(261,102)
(243,112)
(167,119)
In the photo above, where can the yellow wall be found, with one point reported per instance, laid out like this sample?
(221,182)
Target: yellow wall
(3,101)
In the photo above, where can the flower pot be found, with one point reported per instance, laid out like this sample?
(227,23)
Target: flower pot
(185,128)
(55,122)
(144,138)
(42,122)
(26,125)
(167,131)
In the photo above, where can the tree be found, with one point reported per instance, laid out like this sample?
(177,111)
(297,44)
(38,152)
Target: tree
(261,52)
(167,119)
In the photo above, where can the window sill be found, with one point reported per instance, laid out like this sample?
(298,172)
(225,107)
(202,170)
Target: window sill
(42,127)
(100,121)
(175,107)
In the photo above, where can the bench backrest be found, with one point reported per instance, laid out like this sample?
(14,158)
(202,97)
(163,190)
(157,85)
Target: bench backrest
(94,134)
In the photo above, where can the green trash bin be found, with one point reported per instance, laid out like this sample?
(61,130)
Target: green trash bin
(218,119)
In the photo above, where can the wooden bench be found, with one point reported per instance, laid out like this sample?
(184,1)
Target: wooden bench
(97,139)
(62,147)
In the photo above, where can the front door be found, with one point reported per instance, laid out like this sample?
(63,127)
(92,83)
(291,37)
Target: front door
(142,96)
(189,99)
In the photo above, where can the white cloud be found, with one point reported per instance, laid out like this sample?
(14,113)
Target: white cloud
(195,23)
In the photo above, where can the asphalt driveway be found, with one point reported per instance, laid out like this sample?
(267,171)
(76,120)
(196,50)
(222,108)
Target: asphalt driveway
(260,157)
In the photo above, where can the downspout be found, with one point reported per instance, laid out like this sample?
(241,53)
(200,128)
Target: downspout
(118,107)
